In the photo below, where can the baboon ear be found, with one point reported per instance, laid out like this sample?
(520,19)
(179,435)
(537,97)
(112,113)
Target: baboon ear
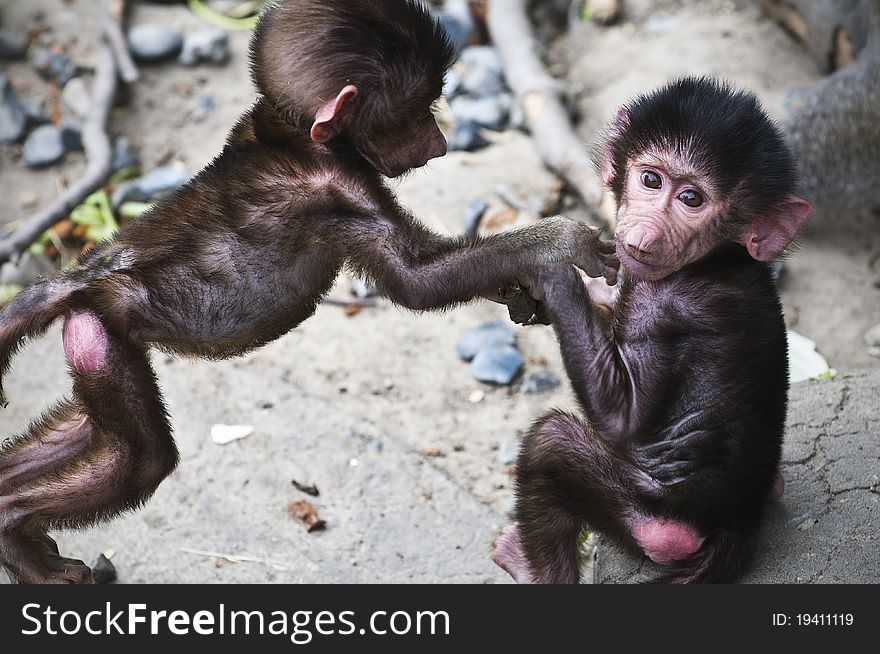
(330,118)
(768,236)
(618,127)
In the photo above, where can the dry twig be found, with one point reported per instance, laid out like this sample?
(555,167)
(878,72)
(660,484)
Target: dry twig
(541,98)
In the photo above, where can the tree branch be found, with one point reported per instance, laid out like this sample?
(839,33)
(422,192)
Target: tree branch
(541,98)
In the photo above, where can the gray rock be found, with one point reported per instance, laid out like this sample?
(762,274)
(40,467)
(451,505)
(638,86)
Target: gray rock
(540,381)
(36,111)
(489,334)
(13,118)
(466,137)
(12,46)
(71,136)
(473,214)
(76,97)
(452,84)
(53,66)
(482,71)
(103,570)
(152,42)
(508,452)
(43,147)
(490,112)
(124,154)
(459,23)
(160,181)
(208,46)
(497,365)
(28,269)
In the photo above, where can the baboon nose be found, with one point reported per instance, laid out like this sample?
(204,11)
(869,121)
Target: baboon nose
(640,240)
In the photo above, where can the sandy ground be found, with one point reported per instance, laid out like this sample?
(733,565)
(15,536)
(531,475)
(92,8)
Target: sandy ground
(385,372)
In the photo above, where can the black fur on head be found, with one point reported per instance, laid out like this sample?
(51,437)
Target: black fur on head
(304,52)
(723,131)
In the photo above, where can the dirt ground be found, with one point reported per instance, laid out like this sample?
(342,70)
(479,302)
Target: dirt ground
(396,371)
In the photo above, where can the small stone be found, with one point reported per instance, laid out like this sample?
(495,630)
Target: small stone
(43,147)
(28,269)
(489,112)
(124,155)
(488,335)
(153,42)
(77,98)
(71,136)
(103,570)
(473,213)
(452,84)
(208,46)
(540,381)
(482,71)
(477,396)
(604,11)
(508,452)
(161,181)
(205,105)
(13,118)
(53,66)
(466,137)
(12,46)
(497,365)
(36,112)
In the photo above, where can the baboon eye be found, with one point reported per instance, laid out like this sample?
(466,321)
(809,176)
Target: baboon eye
(691,198)
(651,179)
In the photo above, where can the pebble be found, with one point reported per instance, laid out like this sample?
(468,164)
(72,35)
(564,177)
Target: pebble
(540,381)
(36,111)
(482,71)
(53,66)
(225,434)
(152,42)
(71,136)
(28,269)
(208,46)
(103,570)
(452,84)
(161,180)
(487,335)
(12,46)
(508,452)
(497,365)
(13,117)
(76,97)
(205,105)
(466,137)
(458,22)
(124,154)
(477,396)
(489,112)
(473,213)
(43,147)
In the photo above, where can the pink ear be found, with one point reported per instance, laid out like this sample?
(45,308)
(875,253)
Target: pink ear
(768,236)
(329,117)
(621,121)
